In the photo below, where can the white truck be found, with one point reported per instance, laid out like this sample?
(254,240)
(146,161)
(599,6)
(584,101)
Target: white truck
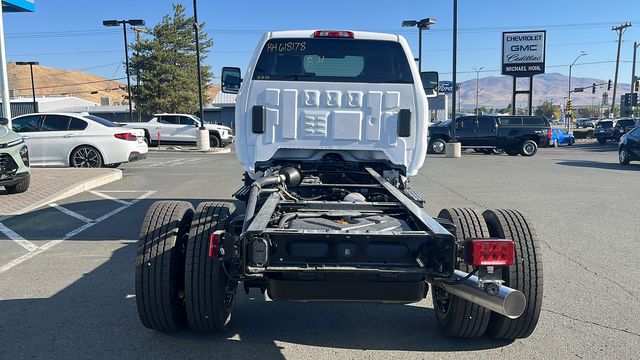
(176,129)
(331,124)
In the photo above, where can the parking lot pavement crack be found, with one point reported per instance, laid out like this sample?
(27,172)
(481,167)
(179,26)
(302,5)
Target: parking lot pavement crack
(626,331)
(591,271)
(452,191)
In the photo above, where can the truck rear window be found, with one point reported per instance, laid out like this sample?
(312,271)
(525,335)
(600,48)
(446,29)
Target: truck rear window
(524,120)
(605,125)
(333,60)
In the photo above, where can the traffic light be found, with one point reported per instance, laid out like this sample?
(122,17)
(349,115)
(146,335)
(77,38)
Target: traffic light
(609,85)
(593,89)
(636,86)
(569,107)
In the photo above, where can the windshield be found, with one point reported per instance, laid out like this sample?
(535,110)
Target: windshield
(605,125)
(333,60)
(100,120)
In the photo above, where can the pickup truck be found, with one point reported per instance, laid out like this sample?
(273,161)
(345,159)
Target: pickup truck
(180,129)
(513,134)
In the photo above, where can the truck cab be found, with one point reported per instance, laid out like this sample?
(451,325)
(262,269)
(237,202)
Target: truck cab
(308,93)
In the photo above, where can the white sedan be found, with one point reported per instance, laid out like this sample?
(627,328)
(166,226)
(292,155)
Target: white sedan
(78,140)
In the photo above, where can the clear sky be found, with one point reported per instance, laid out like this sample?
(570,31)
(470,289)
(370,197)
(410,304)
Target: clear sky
(69,33)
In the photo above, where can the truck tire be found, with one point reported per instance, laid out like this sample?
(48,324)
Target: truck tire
(160,265)
(209,293)
(214,141)
(458,317)
(528,148)
(437,146)
(19,187)
(525,275)
(511,152)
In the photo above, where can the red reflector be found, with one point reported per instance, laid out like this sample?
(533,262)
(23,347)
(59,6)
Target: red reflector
(214,244)
(489,252)
(333,34)
(126,136)
(549,133)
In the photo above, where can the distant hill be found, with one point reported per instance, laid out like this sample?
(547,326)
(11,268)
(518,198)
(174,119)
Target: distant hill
(52,81)
(495,91)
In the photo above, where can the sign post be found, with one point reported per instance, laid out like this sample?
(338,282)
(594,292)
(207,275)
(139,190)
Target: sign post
(523,55)
(9,6)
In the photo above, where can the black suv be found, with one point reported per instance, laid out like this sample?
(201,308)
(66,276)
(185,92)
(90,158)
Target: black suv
(605,130)
(513,134)
(629,148)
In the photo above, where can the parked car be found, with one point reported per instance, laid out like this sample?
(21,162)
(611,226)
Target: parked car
(629,147)
(559,137)
(623,125)
(79,140)
(14,160)
(514,134)
(180,129)
(604,131)
(585,123)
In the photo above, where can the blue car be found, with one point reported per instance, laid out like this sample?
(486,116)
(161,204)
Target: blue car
(559,136)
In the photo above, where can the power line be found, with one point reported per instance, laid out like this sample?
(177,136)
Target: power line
(60,72)
(74,84)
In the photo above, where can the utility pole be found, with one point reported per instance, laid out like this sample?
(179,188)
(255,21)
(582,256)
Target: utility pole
(477,87)
(620,30)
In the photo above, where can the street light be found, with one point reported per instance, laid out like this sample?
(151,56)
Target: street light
(582,53)
(33,86)
(132,22)
(421,25)
(477,87)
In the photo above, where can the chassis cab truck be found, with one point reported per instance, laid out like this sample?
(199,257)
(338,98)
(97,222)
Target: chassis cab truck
(330,127)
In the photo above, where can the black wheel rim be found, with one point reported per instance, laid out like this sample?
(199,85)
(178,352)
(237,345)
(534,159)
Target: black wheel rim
(86,158)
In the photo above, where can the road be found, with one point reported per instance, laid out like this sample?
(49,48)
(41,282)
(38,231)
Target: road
(75,298)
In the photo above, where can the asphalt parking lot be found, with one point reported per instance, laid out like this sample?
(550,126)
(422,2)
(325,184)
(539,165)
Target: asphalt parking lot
(67,284)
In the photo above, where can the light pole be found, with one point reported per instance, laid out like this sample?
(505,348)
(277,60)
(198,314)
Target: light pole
(421,25)
(582,53)
(477,87)
(33,86)
(132,22)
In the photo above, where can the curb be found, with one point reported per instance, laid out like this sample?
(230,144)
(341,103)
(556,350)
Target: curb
(226,150)
(113,175)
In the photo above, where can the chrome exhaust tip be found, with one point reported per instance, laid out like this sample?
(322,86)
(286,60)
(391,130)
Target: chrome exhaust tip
(497,298)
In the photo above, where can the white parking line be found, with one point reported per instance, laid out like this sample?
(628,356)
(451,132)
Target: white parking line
(108,197)
(69,235)
(71,213)
(17,238)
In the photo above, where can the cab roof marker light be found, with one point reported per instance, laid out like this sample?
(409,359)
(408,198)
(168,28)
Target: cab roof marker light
(333,34)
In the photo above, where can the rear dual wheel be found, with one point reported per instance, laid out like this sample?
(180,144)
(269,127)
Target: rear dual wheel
(461,318)
(177,283)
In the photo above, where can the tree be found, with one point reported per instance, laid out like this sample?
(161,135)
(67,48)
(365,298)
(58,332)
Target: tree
(166,62)
(547,109)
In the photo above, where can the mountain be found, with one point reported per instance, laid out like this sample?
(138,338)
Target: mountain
(495,91)
(51,81)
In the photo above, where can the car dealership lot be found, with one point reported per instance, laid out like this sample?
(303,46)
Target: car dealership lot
(74,298)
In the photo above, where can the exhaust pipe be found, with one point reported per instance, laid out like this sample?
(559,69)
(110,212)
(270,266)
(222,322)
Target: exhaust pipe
(502,300)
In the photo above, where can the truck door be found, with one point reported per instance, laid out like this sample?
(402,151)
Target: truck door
(487,131)
(466,130)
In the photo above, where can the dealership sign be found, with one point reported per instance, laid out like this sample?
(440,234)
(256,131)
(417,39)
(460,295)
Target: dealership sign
(523,52)
(446,87)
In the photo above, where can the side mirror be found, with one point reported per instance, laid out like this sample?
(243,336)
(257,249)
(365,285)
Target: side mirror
(4,121)
(429,82)
(231,80)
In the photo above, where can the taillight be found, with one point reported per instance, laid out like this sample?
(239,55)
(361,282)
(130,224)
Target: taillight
(333,34)
(549,132)
(126,136)
(214,244)
(489,252)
